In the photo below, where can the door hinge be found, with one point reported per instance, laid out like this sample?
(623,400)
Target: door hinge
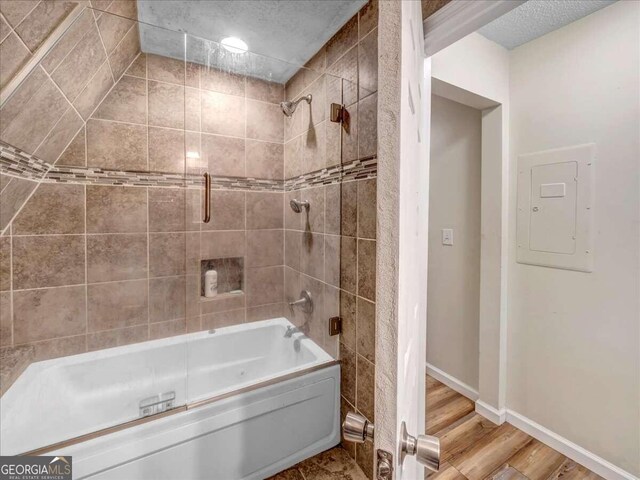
(335,326)
(384,465)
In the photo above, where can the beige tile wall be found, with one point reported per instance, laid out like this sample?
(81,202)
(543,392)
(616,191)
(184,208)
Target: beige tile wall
(332,253)
(24,26)
(44,253)
(51,105)
(112,265)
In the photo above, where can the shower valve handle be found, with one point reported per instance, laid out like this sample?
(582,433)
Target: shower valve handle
(304,302)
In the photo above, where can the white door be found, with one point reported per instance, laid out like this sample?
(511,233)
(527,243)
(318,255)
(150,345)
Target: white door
(413,231)
(403,194)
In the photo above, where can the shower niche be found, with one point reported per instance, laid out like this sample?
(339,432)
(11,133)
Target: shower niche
(229,273)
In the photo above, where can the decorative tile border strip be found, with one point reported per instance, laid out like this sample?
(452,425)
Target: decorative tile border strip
(245,183)
(355,170)
(14,162)
(101,176)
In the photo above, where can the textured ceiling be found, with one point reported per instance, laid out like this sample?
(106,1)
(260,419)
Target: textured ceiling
(536,18)
(282,35)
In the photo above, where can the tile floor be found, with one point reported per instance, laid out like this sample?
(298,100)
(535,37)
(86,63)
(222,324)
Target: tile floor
(334,464)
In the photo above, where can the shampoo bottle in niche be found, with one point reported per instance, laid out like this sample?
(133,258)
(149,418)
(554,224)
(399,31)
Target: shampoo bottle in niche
(210,283)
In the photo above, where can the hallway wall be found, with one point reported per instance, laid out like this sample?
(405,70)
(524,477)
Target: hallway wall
(454,271)
(573,344)
(487,89)
(573,359)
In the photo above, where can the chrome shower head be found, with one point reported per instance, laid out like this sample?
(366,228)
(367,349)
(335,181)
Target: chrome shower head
(298,205)
(289,107)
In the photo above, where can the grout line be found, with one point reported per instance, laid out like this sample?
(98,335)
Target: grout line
(86,273)
(117,329)
(61,116)
(17,35)
(105,10)
(214,91)
(107,93)
(113,234)
(200,199)
(86,144)
(38,182)
(106,61)
(186,199)
(11,29)
(40,342)
(50,288)
(126,280)
(133,27)
(148,271)
(70,49)
(91,117)
(104,47)
(11,283)
(148,209)
(245,266)
(21,22)
(23,18)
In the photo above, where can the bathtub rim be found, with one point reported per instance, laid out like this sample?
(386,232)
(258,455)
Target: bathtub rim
(323,360)
(104,453)
(180,409)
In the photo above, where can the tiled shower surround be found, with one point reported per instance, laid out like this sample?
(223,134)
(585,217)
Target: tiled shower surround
(341,226)
(24,26)
(111,265)
(107,249)
(61,92)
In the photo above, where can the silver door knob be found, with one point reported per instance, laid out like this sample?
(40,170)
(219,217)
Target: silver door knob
(356,428)
(426,448)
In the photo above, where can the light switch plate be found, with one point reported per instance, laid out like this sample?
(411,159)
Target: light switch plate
(447,236)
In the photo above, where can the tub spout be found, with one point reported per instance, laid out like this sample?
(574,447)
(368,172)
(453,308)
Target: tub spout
(291,331)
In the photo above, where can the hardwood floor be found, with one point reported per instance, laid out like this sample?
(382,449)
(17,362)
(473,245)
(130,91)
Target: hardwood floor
(472,448)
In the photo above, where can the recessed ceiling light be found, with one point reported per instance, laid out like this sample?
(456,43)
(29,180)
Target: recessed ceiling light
(234,45)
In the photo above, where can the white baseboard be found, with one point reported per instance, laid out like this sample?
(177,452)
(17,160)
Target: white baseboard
(452,382)
(575,452)
(487,411)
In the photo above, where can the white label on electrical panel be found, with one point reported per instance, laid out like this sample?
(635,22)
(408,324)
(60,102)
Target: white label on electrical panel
(553,190)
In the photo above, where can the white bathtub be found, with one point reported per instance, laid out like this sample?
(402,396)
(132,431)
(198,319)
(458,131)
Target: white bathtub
(270,425)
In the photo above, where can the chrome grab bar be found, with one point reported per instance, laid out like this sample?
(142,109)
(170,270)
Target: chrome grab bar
(207,198)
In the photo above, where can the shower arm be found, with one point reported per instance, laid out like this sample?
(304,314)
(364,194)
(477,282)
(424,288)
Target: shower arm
(307,98)
(289,107)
